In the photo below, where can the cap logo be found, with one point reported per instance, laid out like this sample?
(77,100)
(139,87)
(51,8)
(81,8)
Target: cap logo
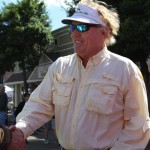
(78,10)
(85,14)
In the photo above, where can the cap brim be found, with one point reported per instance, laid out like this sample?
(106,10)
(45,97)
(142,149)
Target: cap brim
(69,20)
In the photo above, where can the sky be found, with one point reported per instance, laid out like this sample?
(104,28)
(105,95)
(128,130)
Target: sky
(55,11)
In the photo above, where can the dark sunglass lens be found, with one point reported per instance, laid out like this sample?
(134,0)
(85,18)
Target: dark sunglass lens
(79,27)
(82,27)
(72,27)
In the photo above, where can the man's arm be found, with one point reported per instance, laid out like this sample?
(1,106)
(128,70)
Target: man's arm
(136,132)
(39,108)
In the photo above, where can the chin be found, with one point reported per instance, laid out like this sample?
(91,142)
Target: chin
(79,51)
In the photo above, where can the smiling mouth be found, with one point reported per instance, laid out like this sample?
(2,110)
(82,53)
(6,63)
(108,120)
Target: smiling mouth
(77,42)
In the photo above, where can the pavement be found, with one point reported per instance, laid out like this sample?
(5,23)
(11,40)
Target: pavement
(36,140)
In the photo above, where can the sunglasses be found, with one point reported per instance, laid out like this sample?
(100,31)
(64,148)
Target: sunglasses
(82,27)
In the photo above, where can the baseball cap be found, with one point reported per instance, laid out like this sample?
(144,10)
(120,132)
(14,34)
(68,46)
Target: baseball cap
(84,14)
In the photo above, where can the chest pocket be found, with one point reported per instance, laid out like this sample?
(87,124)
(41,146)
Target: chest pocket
(101,97)
(62,89)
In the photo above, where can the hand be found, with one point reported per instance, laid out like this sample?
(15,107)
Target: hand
(5,137)
(17,141)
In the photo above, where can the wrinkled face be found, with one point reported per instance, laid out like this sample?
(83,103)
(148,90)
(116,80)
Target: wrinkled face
(90,42)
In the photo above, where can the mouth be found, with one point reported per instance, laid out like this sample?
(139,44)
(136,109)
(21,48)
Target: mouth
(77,42)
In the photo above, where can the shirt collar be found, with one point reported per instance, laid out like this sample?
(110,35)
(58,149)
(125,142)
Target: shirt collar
(94,60)
(99,56)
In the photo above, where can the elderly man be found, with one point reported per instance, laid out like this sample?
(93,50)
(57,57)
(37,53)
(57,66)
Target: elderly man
(98,98)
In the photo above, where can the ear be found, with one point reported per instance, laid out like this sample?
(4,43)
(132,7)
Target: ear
(105,31)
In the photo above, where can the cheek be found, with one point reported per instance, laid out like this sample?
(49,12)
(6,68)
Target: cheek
(99,37)
(71,36)
(94,38)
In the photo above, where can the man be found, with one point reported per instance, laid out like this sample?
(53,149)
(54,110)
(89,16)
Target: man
(22,103)
(3,105)
(98,98)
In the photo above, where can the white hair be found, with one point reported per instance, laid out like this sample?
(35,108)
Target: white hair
(109,15)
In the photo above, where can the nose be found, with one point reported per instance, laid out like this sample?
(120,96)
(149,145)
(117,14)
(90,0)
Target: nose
(75,34)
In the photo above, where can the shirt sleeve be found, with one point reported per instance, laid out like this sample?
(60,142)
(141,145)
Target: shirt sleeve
(39,108)
(136,131)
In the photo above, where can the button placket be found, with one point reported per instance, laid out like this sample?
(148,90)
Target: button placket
(83,79)
(75,117)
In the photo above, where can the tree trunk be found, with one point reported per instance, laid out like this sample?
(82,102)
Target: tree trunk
(25,81)
(1,78)
(24,77)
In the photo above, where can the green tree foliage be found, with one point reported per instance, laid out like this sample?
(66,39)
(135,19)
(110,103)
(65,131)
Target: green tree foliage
(6,61)
(25,32)
(134,35)
(71,6)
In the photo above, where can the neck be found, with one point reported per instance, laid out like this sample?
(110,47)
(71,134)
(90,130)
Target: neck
(84,62)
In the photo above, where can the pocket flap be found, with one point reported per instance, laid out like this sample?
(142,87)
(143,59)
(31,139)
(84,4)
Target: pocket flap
(63,84)
(59,100)
(110,90)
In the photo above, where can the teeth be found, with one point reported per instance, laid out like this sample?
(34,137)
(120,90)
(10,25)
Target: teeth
(77,41)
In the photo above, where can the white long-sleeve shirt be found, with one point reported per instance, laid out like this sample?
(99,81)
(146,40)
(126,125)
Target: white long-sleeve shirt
(101,106)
